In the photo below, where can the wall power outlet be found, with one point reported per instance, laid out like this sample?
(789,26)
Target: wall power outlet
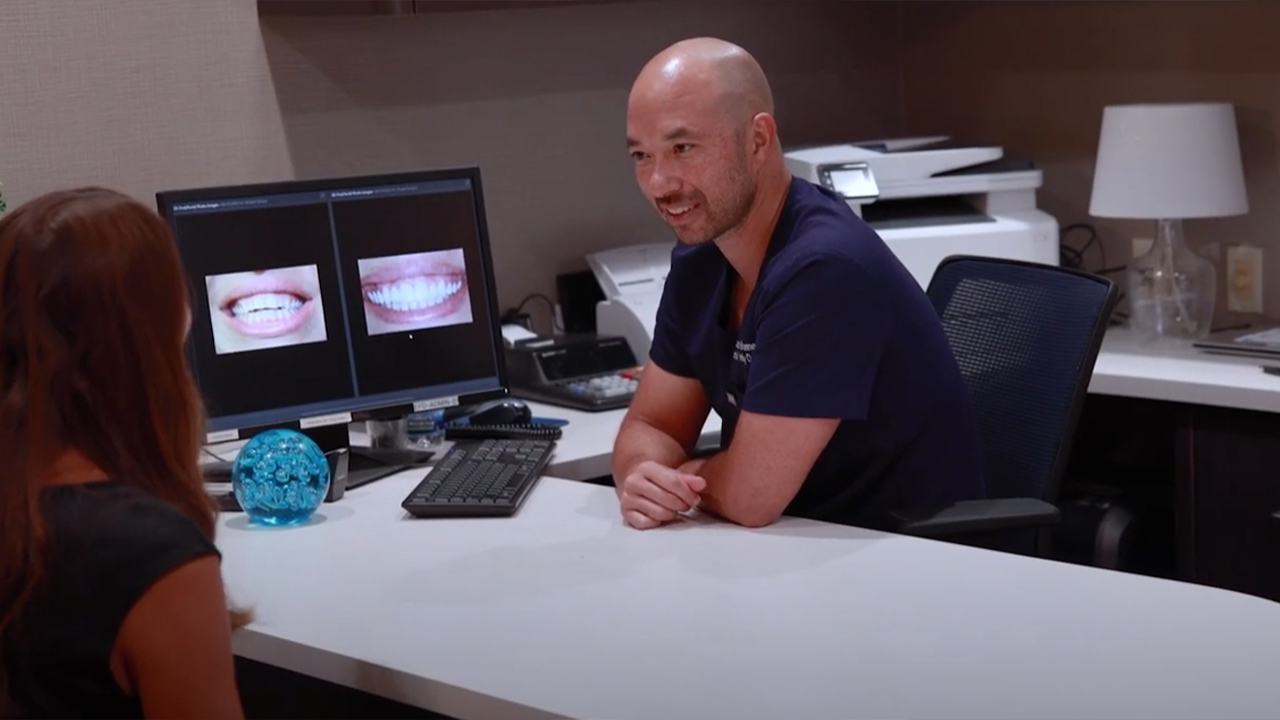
(1244,279)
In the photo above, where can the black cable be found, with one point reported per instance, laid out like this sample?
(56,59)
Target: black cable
(1069,256)
(212,454)
(551,308)
(1079,255)
(1118,316)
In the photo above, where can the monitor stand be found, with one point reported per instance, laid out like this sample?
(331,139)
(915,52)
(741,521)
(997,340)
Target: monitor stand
(366,464)
(358,465)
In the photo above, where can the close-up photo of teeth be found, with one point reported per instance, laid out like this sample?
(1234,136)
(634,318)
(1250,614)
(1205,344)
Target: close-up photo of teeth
(261,309)
(266,308)
(414,291)
(416,294)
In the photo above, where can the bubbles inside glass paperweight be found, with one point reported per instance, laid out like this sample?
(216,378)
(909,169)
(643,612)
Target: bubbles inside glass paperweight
(280,477)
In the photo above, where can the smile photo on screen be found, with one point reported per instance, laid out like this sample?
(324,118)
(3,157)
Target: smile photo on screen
(414,292)
(260,309)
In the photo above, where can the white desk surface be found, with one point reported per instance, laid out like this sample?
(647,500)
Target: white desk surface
(582,453)
(585,449)
(1124,368)
(561,611)
(1184,374)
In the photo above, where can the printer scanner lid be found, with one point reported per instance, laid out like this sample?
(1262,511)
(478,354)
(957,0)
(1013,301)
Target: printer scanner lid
(633,270)
(922,166)
(907,159)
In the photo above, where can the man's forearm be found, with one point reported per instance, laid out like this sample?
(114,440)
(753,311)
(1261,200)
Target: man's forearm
(720,497)
(710,469)
(638,441)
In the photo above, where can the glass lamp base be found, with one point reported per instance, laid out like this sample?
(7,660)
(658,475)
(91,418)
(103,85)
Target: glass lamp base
(1171,289)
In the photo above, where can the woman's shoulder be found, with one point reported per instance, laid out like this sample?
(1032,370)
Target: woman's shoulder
(107,544)
(114,527)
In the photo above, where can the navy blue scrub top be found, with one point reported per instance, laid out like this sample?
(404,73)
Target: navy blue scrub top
(836,328)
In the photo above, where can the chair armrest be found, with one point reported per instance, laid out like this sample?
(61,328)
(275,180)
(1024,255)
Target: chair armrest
(706,446)
(973,516)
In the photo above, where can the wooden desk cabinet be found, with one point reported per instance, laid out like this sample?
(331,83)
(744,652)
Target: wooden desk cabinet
(1215,471)
(1233,458)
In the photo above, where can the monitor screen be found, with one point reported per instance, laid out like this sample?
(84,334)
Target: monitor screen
(316,300)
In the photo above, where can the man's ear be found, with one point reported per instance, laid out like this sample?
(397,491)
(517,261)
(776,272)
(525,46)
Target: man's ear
(763,134)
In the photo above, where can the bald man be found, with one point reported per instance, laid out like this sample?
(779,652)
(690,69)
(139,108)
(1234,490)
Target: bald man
(839,397)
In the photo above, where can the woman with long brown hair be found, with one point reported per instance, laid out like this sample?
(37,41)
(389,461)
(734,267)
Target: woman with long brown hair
(111,599)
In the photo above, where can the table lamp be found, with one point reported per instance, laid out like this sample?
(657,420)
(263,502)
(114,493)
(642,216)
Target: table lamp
(1168,162)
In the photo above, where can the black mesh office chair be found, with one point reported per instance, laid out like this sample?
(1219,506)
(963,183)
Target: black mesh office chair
(1026,337)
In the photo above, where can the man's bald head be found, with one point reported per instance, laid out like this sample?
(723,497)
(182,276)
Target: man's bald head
(711,68)
(701,132)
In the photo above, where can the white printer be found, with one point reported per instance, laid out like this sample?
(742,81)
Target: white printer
(929,198)
(926,197)
(631,278)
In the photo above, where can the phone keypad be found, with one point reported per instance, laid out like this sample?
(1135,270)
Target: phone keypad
(607,386)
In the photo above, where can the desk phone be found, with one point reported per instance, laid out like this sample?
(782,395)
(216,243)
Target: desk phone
(583,371)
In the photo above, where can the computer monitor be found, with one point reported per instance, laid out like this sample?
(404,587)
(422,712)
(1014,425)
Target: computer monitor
(320,302)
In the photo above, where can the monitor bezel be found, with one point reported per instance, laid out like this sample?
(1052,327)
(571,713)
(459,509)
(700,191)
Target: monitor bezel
(166,200)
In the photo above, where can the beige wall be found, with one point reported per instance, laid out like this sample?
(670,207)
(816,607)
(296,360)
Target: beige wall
(139,95)
(1035,76)
(144,95)
(537,99)
(151,94)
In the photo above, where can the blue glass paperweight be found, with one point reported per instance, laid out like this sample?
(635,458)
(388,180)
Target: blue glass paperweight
(280,477)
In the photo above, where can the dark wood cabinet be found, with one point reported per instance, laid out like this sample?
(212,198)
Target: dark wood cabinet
(1235,474)
(1208,480)
(1124,456)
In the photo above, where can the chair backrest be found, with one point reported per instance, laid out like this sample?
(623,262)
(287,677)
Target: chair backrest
(1026,336)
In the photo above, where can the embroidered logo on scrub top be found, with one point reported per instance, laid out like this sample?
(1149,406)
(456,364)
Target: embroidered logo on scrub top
(737,376)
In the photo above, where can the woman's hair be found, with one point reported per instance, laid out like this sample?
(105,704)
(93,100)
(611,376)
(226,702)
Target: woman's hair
(93,320)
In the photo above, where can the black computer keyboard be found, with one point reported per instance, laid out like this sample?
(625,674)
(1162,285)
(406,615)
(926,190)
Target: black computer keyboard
(513,431)
(489,478)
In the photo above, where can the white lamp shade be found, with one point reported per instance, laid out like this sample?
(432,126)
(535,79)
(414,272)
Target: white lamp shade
(1168,161)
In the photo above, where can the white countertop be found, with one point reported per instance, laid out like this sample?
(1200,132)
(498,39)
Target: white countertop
(1124,368)
(1183,374)
(582,453)
(561,611)
(585,449)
